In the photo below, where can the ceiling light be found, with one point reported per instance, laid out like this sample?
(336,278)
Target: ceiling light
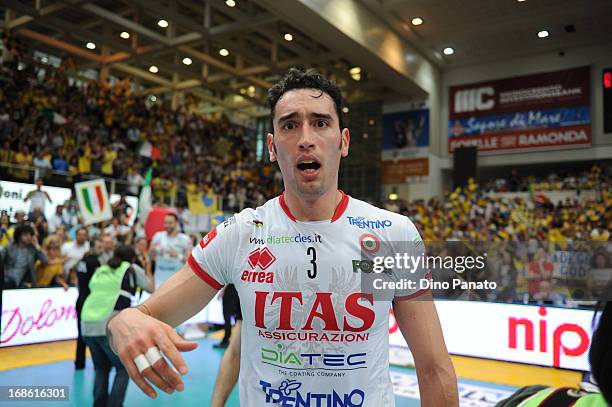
(288,37)
(223,52)
(162,23)
(125,35)
(417,21)
(90,45)
(153,98)
(393,196)
(345,109)
(44,60)
(230,3)
(242,91)
(153,69)
(543,34)
(355,70)
(448,51)
(187,61)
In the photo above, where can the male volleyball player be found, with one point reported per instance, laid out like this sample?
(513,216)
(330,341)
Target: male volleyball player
(310,336)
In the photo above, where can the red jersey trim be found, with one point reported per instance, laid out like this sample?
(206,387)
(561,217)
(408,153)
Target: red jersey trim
(411,296)
(416,294)
(340,209)
(199,271)
(283,205)
(341,206)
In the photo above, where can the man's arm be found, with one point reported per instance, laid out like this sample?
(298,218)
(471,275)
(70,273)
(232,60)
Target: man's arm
(229,369)
(418,321)
(136,330)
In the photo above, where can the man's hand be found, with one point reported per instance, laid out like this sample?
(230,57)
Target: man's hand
(133,333)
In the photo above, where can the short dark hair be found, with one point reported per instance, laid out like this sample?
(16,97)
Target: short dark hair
(174,215)
(121,254)
(22,230)
(308,79)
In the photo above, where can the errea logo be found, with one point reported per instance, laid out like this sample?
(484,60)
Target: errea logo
(262,258)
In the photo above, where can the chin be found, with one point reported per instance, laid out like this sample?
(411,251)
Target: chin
(314,188)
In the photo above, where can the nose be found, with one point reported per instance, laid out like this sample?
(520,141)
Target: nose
(306,141)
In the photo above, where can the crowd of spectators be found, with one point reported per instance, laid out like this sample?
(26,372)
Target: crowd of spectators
(472,213)
(596,179)
(49,123)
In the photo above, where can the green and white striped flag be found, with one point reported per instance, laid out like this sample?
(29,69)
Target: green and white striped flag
(93,201)
(144,202)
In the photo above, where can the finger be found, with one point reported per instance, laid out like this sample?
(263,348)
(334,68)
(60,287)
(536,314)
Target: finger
(169,374)
(136,376)
(153,376)
(173,353)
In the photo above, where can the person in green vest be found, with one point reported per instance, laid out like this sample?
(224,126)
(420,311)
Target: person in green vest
(112,287)
(600,358)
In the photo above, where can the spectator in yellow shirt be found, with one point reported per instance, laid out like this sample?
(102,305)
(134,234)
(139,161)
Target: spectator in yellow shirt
(24,159)
(108,158)
(84,152)
(51,273)
(6,232)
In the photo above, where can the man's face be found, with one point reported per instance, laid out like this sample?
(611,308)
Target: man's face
(98,247)
(141,245)
(39,182)
(307,142)
(26,239)
(169,224)
(107,244)
(81,236)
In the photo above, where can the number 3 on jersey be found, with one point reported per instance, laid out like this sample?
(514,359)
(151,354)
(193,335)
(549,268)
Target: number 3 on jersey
(313,253)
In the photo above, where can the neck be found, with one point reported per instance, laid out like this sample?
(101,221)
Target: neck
(313,209)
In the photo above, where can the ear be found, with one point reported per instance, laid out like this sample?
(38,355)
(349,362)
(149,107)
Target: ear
(271,147)
(345,140)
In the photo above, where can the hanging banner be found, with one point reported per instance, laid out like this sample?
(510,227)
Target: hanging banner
(201,203)
(526,113)
(93,201)
(405,152)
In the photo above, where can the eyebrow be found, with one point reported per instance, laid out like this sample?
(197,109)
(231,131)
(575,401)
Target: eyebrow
(315,115)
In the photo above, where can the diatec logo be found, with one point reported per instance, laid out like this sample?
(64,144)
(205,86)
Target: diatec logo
(469,100)
(262,258)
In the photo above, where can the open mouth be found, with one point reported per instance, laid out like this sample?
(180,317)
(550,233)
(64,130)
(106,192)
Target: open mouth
(308,165)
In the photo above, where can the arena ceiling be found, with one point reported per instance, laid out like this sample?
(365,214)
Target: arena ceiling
(333,36)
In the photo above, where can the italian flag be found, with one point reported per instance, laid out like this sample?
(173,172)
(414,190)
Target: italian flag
(94,199)
(144,203)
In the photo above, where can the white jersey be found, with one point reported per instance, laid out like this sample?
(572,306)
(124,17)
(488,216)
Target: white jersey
(165,263)
(310,336)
